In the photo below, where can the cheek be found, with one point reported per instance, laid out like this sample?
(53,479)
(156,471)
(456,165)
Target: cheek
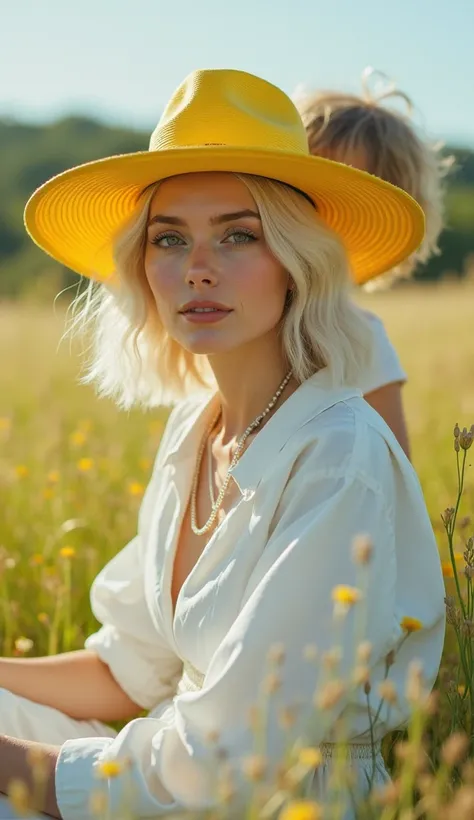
(161,278)
(265,284)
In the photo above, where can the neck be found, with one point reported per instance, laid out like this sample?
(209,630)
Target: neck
(247,380)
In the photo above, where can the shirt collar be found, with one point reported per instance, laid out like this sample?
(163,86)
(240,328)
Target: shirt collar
(311,398)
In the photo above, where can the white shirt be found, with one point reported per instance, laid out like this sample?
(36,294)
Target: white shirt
(385,366)
(323,469)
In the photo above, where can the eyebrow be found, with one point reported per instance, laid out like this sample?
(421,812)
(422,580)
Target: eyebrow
(216,220)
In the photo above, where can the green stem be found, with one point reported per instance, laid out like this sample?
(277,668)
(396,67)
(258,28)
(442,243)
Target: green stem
(451,526)
(67,606)
(53,634)
(372,738)
(8,636)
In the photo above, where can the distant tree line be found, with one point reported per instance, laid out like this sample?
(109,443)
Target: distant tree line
(30,154)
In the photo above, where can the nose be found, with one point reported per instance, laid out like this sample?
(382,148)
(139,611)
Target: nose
(200,272)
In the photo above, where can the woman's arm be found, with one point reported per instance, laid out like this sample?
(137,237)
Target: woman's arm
(76,683)
(388,403)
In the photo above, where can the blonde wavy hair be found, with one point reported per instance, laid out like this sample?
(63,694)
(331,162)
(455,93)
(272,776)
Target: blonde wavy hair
(134,360)
(359,130)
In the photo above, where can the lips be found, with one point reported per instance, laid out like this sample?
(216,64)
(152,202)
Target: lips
(204,307)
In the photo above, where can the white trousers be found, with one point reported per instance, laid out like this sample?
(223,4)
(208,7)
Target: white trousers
(27,720)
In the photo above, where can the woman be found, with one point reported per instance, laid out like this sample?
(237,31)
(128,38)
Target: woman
(362,132)
(227,280)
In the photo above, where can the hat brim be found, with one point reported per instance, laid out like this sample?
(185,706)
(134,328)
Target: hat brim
(75,216)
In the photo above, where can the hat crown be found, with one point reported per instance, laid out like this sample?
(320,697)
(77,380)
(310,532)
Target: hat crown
(231,108)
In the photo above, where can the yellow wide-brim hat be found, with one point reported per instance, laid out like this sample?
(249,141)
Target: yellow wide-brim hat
(231,121)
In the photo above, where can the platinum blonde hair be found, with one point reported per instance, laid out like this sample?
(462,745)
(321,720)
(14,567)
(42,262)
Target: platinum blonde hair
(350,128)
(134,360)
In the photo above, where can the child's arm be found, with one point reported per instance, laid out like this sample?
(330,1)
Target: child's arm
(387,401)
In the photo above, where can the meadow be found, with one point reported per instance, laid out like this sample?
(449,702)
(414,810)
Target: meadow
(73,469)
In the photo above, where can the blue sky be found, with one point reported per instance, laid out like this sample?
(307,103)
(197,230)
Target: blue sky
(121,59)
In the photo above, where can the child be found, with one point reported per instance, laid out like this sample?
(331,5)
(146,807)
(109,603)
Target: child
(362,132)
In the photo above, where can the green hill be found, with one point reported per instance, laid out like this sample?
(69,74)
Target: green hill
(30,154)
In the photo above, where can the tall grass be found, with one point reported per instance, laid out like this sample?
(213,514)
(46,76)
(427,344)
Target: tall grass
(73,469)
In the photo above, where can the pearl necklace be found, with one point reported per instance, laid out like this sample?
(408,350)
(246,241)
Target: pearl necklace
(210,479)
(238,451)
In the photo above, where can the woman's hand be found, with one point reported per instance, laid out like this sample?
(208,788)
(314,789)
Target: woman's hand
(16,760)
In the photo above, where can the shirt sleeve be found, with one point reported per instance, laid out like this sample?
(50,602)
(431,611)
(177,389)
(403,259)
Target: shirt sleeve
(288,602)
(140,660)
(384,366)
(129,643)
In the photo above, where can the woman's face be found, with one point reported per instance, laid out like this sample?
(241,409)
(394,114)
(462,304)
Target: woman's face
(215,282)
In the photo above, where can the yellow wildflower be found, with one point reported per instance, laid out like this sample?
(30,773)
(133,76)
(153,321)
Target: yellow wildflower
(53,477)
(37,559)
(302,810)
(135,488)
(458,556)
(43,618)
(5,423)
(78,438)
(23,645)
(19,796)
(447,569)
(67,552)
(310,758)
(110,768)
(410,624)
(21,471)
(346,595)
(48,493)
(85,464)
(145,463)
(461,690)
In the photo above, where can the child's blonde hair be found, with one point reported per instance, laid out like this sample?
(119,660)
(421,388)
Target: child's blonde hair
(361,131)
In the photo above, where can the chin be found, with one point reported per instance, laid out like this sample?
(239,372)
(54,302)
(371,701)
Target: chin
(207,344)
(202,348)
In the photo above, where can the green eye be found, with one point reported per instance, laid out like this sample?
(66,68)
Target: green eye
(167,240)
(241,237)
